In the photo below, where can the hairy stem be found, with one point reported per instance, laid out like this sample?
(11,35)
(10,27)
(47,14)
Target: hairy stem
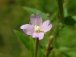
(36,48)
(61,17)
(49,47)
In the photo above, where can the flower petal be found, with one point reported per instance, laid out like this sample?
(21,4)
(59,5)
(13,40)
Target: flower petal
(27,28)
(36,19)
(38,35)
(46,26)
(45,23)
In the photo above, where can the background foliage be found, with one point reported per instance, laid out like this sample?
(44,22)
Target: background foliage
(14,13)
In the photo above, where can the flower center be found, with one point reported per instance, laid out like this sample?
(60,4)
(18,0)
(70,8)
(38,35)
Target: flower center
(37,28)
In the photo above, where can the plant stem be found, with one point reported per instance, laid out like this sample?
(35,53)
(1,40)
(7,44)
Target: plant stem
(49,48)
(61,17)
(36,48)
(60,10)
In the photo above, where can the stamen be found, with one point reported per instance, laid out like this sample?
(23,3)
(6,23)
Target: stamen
(37,28)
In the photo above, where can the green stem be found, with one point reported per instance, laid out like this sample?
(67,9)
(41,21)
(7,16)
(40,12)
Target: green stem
(61,17)
(60,10)
(49,47)
(36,48)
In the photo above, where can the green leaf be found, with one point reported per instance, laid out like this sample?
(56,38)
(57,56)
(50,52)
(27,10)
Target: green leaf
(69,20)
(36,11)
(68,52)
(72,54)
(64,49)
(65,12)
(74,17)
(56,53)
(40,52)
(71,7)
(28,42)
(67,37)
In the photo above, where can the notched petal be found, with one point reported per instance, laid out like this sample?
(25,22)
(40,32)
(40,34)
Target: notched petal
(49,28)
(25,26)
(36,19)
(27,29)
(46,26)
(45,23)
(40,36)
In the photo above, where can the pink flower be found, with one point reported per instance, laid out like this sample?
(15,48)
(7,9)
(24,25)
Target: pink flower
(36,28)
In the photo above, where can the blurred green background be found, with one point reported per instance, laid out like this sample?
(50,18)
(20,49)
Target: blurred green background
(12,16)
